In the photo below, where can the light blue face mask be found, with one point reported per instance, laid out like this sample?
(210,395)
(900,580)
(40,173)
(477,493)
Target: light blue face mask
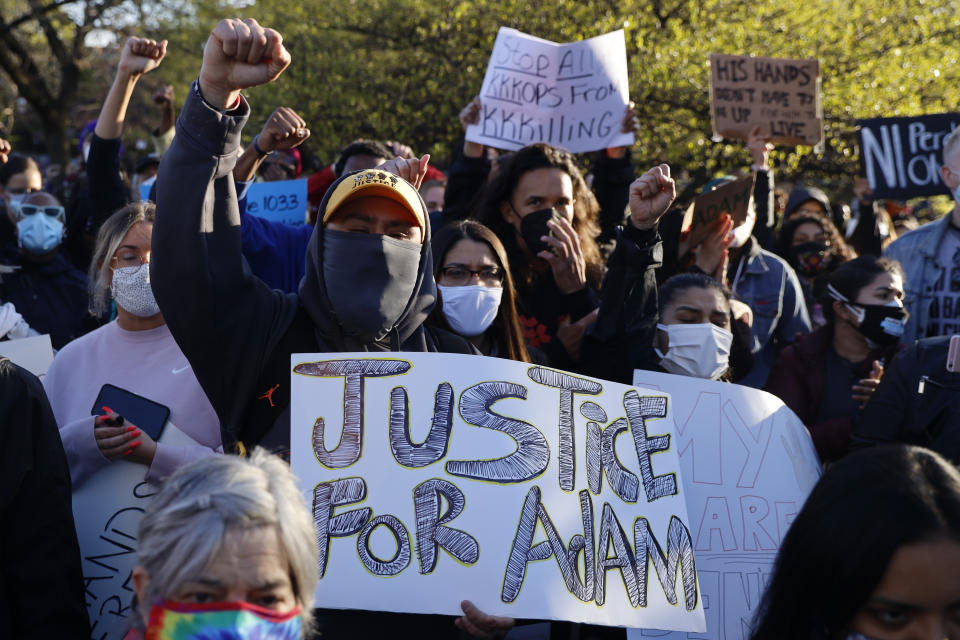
(39,233)
(956,194)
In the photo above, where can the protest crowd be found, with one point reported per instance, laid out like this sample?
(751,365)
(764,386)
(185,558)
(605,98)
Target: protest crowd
(169,301)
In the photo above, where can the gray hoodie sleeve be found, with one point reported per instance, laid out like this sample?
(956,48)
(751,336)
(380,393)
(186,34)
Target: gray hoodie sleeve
(223,318)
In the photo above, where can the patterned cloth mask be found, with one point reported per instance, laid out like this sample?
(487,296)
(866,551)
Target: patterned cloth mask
(132,291)
(220,621)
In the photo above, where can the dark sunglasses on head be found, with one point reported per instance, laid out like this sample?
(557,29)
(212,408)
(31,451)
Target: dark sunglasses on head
(50,210)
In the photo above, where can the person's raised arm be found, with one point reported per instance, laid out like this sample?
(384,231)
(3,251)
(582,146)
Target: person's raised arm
(621,340)
(222,317)
(760,148)
(283,130)
(139,56)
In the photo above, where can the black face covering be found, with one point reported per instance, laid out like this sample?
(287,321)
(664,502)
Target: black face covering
(533,226)
(880,324)
(369,280)
(810,258)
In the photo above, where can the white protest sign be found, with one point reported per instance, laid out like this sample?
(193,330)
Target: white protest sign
(534,493)
(568,95)
(281,201)
(747,464)
(107,508)
(33,353)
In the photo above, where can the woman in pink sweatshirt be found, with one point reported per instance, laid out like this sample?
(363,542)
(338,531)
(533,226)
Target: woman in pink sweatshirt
(136,353)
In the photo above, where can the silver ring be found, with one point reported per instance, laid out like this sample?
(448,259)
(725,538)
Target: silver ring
(301,132)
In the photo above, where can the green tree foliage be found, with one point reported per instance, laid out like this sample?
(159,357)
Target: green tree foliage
(402,69)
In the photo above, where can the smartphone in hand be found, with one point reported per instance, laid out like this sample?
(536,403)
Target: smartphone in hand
(147,415)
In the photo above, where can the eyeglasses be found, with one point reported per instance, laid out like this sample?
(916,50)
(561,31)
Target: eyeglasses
(457,275)
(130,260)
(33,209)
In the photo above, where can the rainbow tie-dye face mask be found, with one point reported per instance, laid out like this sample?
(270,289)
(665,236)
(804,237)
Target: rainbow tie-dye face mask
(220,621)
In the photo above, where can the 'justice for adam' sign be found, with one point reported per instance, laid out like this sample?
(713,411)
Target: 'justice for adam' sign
(533,492)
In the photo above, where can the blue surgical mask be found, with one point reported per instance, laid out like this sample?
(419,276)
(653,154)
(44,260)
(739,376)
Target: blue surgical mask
(956,194)
(39,233)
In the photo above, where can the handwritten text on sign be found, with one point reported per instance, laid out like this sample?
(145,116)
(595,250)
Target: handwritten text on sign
(901,156)
(534,493)
(780,96)
(568,95)
(281,201)
(748,464)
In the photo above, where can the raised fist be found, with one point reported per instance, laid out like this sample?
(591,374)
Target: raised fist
(240,54)
(141,56)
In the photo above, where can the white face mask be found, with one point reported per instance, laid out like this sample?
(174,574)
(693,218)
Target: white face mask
(132,291)
(696,350)
(470,310)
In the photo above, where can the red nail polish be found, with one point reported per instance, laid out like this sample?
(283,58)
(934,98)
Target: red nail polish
(134,444)
(136,432)
(127,452)
(131,428)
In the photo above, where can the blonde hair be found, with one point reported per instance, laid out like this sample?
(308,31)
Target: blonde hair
(108,239)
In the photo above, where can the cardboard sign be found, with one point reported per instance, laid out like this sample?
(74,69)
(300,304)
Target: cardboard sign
(901,157)
(568,95)
(534,493)
(34,353)
(748,464)
(779,95)
(107,508)
(281,201)
(734,198)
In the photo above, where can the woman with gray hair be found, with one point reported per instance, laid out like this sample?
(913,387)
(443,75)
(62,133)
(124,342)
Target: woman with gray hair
(132,362)
(227,549)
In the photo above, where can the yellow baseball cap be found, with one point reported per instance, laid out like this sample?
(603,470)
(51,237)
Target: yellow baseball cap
(376,183)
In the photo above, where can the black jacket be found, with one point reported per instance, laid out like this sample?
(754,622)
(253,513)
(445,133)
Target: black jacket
(621,340)
(917,402)
(41,586)
(52,297)
(236,332)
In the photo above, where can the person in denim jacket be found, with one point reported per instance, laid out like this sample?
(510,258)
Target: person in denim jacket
(930,257)
(767,284)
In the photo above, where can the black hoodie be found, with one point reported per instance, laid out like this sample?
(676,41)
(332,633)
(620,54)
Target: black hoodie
(236,332)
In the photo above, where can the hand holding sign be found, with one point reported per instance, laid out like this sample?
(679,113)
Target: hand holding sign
(630,124)
(712,253)
(240,54)
(650,196)
(760,148)
(283,130)
(480,625)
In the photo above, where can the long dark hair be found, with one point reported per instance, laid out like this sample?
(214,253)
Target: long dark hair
(507,323)
(864,508)
(851,277)
(835,241)
(586,210)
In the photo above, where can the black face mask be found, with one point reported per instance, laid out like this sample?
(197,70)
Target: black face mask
(533,226)
(880,324)
(369,280)
(810,258)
